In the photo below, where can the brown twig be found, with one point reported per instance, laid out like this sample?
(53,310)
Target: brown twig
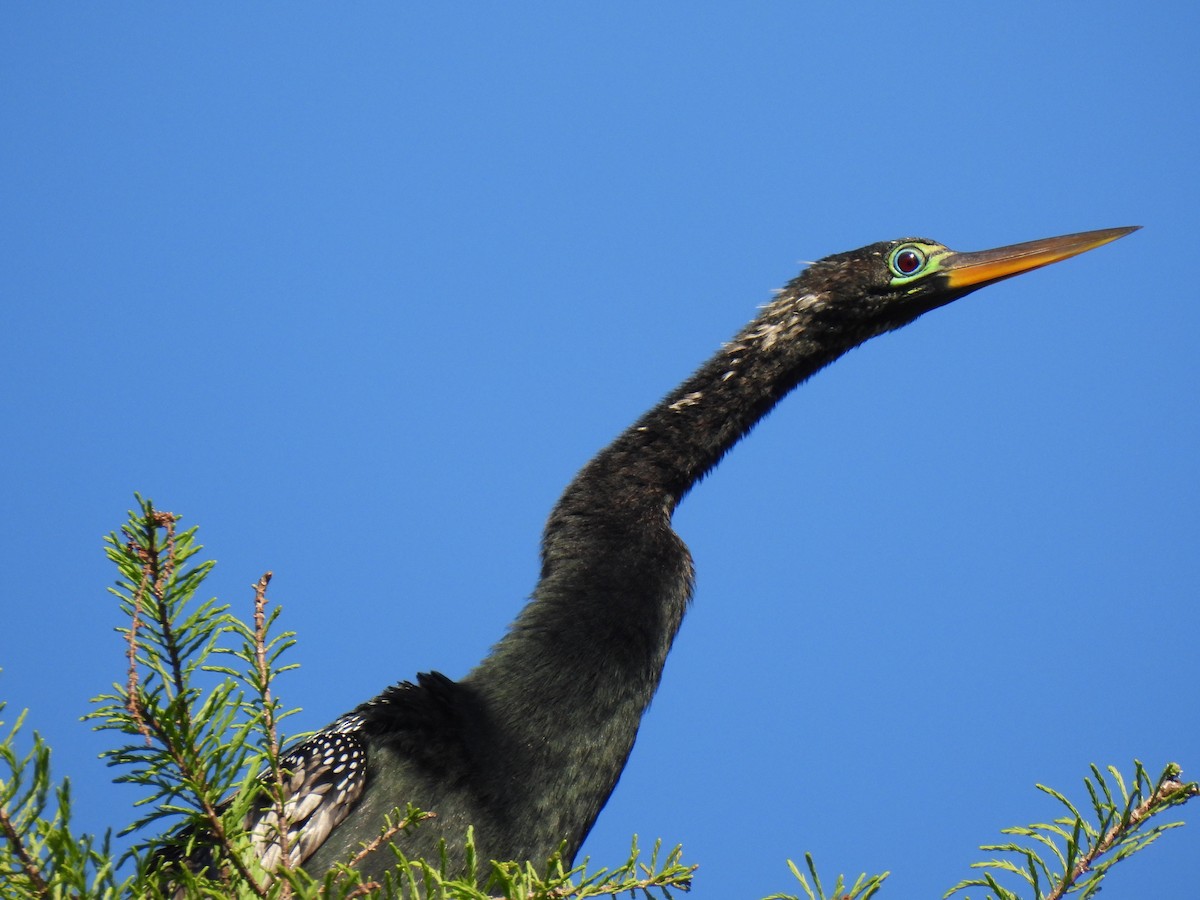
(28,863)
(132,692)
(155,575)
(388,833)
(213,819)
(282,827)
(364,889)
(1166,791)
(163,574)
(218,830)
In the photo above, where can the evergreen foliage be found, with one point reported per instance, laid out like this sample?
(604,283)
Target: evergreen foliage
(1083,849)
(197,722)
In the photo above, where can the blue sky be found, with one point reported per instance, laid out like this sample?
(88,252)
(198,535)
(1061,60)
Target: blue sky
(358,289)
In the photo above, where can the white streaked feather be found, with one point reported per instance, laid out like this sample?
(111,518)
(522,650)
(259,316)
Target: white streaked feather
(327,776)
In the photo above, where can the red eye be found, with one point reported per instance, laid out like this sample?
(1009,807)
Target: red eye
(907,261)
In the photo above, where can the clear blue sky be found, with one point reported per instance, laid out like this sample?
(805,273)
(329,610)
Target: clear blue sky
(359,288)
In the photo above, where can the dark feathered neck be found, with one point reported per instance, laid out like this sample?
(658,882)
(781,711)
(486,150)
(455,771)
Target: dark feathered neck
(674,445)
(568,684)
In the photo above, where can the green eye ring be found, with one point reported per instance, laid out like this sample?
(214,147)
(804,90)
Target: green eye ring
(907,260)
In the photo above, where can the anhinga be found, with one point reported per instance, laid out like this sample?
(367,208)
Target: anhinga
(529,745)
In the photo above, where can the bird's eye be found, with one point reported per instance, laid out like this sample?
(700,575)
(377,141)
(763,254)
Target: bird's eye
(907,261)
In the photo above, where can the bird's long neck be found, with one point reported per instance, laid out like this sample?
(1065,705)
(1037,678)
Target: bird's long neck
(580,664)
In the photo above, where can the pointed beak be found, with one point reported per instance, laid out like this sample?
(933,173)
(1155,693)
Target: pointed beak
(973,270)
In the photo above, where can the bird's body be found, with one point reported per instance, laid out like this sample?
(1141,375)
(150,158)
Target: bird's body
(529,745)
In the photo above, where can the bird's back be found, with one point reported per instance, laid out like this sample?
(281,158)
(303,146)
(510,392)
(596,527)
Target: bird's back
(414,743)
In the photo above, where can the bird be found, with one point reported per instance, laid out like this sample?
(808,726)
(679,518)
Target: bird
(528,746)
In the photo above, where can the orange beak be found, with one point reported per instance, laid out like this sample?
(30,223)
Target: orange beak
(972,270)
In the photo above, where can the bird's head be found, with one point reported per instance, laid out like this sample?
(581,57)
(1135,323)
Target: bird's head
(883,286)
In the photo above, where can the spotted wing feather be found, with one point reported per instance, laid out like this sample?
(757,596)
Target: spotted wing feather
(323,779)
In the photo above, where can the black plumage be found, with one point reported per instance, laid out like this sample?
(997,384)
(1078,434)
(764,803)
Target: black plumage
(528,747)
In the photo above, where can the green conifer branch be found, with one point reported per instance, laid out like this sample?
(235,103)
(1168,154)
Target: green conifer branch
(1084,848)
(40,855)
